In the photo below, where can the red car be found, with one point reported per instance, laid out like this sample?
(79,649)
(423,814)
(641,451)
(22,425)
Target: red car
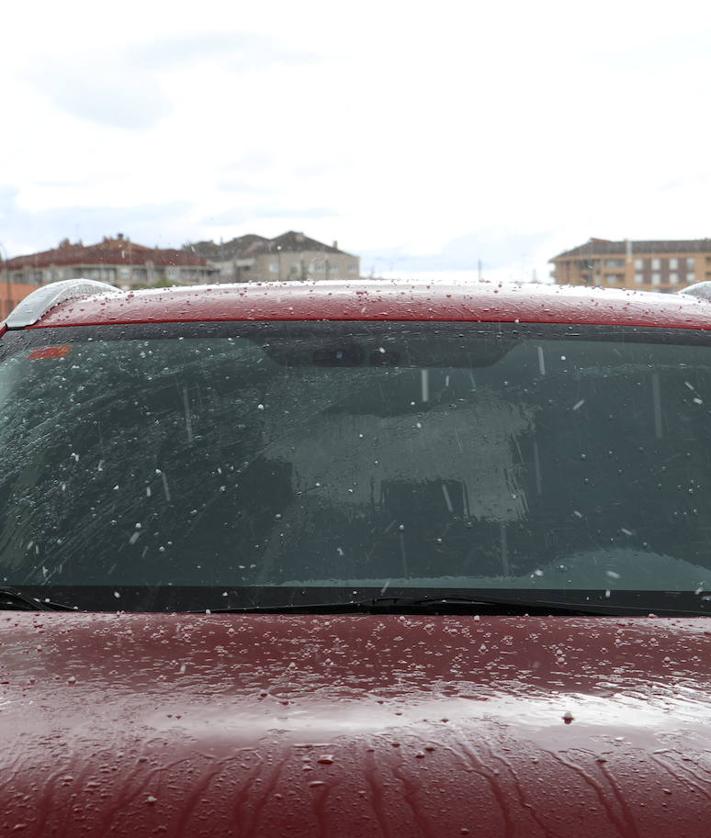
(355,560)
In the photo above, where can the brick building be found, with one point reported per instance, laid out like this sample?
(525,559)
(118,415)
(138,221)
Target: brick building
(644,265)
(11,293)
(118,261)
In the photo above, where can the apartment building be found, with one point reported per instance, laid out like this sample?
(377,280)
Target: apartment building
(291,256)
(116,260)
(644,265)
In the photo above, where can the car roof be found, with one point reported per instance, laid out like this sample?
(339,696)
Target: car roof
(384,300)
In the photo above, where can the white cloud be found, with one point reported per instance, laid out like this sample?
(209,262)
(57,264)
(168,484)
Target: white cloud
(442,133)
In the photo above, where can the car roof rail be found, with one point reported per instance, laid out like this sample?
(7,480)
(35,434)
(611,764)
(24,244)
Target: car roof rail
(702,290)
(36,304)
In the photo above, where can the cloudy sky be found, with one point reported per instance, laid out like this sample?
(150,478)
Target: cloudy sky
(423,136)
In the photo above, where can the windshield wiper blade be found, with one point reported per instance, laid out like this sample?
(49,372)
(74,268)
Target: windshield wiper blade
(515,606)
(477,603)
(12,599)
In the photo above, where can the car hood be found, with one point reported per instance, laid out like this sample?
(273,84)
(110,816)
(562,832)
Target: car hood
(354,725)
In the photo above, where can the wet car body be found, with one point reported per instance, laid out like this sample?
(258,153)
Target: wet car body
(271,725)
(365,724)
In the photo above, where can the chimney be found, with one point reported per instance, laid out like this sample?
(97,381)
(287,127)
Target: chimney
(628,250)
(335,244)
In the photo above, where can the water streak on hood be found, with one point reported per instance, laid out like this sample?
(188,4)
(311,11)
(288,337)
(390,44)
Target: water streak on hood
(354,725)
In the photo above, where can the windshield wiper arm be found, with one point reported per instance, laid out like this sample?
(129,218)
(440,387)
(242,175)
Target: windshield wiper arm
(432,604)
(11,598)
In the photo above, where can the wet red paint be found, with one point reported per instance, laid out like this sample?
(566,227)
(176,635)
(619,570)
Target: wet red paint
(390,726)
(267,725)
(387,301)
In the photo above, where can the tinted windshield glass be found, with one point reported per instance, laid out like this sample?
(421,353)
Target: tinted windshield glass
(174,464)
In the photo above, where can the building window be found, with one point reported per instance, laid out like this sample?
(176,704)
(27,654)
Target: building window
(614,263)
(273,267)
(674,278)
(656,264)
(639,279)
(689,264)
(656,279)
(673,264)
(638,264)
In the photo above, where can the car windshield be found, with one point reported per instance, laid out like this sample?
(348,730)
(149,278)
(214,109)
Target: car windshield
(200,465)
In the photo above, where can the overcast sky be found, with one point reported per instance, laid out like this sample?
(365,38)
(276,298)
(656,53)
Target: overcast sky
(423,136)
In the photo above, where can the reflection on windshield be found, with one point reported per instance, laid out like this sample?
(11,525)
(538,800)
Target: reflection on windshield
(354,455)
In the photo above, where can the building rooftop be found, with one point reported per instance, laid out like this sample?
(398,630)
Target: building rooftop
(605,247)
(249,245)
(238,248)
(111,251)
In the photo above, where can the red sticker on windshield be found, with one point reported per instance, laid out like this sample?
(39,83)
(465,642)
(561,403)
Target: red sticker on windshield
(50,352)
